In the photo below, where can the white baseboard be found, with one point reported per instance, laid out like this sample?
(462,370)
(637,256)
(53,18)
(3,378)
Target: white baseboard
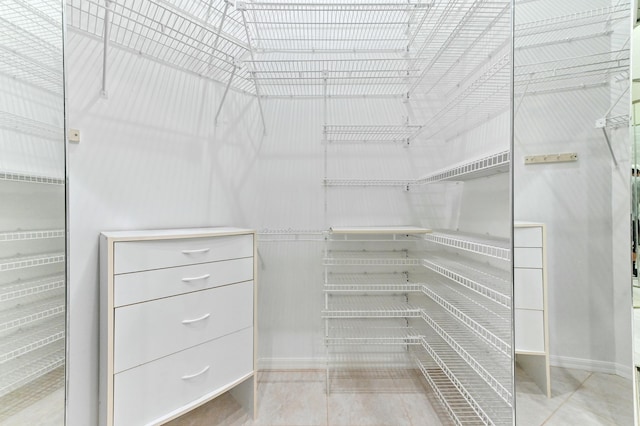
(606,367)
(292,364)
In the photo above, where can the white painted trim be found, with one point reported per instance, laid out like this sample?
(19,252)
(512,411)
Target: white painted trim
(592,365)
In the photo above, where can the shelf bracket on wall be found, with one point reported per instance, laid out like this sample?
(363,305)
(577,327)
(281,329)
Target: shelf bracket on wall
(614,123)
(224,96)
(105,47)
(241,7)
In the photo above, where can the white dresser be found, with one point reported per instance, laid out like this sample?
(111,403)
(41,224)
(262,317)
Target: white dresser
(530,302)
(177,322)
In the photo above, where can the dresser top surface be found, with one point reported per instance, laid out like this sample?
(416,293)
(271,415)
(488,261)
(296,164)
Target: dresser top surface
(154,234)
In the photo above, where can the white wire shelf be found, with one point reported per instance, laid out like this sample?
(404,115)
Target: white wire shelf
(186,35)
(22,370)
(491,247)
(378,230)
(28,314)
(28,340)
(31,235)
(370,258)
(475,390)
(21,262)
(31,127)
(30,178)
(488,281)
(323,26)
(363,283)
(456,405)
(484,97)
(362,332)
(289,235)
(368,182)
(572,73)
(381,134)
(490,322)
(369,307)
(568,28)
(20,289)
(493,367)
(31,46)
(486,166)
(383,359)
(617,121)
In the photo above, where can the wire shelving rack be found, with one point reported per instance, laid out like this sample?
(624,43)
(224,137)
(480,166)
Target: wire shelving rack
(369,134)
(29,178)
(488,281)
(497,248)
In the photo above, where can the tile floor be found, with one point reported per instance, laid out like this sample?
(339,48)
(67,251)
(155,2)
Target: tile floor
(288,398)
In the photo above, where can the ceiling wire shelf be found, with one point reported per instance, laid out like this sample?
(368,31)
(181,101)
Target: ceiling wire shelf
(28,314)
(485,166)
(370,258)
(475,390)
(369,134)
(28,340)
(493,368)
(30,178)
(27,288)
(370,307)
(171,33)
(31,235)
(497,248)
(490,322)
(22,262)
(30,127)
(485,280)
(22,370)
(30,49)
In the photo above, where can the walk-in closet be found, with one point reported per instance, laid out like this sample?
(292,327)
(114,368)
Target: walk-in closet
(315,212)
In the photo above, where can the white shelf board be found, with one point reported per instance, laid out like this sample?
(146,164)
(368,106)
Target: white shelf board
(30,339)
(31,235)
(475,169)
(28,314)
(21,262)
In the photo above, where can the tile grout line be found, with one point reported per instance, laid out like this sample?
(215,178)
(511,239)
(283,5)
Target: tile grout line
(567,399)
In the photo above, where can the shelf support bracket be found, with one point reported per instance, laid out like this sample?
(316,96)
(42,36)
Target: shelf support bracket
(105,47)
(613,155)
(224,96)
(242,8)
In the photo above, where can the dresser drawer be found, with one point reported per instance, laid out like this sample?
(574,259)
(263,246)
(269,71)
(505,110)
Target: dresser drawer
(528,292)
(529,330)
(148,285)
(528,236)
(147,331)
(133,256)
(149,393)
(527,257)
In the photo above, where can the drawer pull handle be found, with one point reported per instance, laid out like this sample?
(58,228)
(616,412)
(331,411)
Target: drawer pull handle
(204,250)
(191,321)
(191,376)
(201,277)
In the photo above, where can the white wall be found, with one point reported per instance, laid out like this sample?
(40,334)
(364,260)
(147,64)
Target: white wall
(584,204)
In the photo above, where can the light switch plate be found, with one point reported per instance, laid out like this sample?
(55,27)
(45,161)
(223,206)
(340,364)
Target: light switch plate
(74,135)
